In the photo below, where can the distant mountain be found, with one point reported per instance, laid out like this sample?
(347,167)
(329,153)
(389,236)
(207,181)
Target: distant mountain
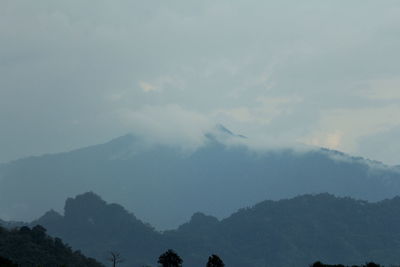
(11,224)
(27,247)
(94,226)
(164,184)
(292,232)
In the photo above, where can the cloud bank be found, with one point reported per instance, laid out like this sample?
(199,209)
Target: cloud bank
(76,73)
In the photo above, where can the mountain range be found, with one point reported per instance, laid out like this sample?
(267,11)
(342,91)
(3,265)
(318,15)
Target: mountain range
(165,184)
(290,232)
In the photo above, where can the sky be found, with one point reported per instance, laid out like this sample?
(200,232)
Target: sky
(322,73)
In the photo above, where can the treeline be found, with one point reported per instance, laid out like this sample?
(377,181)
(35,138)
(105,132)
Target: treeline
(59,255)
(32,247)
(168,259)
(171,259)
(368,264)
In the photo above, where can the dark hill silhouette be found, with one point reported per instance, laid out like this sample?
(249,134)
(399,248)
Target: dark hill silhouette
(96,227)
(291,232)
(153,180)
(26,247)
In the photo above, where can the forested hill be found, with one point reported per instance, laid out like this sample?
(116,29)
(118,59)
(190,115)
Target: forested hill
(94,226)
(292,232)
(27,247)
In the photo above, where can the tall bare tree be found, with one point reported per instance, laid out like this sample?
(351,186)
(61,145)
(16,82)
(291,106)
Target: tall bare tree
(115,258)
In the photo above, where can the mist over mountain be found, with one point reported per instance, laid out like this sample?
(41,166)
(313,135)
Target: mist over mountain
(290,232)
(262,132)
(11,224)
(165,184)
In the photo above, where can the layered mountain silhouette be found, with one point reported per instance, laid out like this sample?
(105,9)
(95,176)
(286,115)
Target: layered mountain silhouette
(291,232)
(164,184)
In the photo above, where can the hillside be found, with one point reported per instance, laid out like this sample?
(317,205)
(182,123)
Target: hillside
(94,226)
(292,232)
(215,179)
(32,247)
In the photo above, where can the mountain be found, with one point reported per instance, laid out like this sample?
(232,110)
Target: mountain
(11,224)
(94,226)
(32,247)
(165,184)
(290,232)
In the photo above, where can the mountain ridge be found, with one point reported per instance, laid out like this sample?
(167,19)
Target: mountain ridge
(153,179)
(290,232)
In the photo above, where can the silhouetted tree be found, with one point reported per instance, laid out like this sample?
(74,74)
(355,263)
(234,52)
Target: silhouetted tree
(25,230)
(318,264)
(115,258)
(6,263)
(38,232)
(170,259)
(215,261)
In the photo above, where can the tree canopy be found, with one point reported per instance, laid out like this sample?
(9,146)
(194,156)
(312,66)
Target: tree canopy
(170,259)
(33,247)
(215,261)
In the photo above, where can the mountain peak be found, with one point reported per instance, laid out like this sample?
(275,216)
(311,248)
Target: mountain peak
(49,217)
(221,133)
(83,205)
(223,129)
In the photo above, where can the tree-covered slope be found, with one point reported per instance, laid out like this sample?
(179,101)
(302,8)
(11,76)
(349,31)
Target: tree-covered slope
(292,232)
(32,247)
(96,227)
(301,230)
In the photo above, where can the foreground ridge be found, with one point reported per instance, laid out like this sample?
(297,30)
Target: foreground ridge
(289,232)
(26,246)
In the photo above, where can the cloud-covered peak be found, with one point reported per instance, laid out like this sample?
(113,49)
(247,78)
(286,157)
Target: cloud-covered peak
(73,73)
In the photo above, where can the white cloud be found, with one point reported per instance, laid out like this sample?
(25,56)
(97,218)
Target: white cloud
(237,63)
(161,83)
(382,89)
(343,129)
(262,112)
(168,124)
(331,140)
(147,87)
(382,146)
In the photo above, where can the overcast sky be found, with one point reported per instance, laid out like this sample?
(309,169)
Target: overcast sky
(75,73)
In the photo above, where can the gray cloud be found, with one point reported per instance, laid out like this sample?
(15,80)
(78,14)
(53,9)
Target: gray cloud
(72,73)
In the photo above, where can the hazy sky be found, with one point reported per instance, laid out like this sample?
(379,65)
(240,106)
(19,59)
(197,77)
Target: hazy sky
(75,73)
